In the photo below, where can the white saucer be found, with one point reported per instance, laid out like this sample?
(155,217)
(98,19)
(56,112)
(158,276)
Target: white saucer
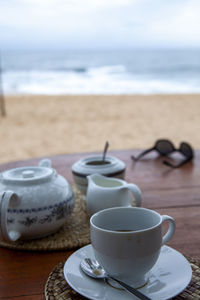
(169,277)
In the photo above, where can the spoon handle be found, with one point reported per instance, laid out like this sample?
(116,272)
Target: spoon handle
(131,289)
(105,150)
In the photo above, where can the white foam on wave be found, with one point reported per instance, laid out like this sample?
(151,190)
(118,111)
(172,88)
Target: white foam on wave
(98,80)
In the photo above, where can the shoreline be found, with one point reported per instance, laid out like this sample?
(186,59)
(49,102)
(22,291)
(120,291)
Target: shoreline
(43,125)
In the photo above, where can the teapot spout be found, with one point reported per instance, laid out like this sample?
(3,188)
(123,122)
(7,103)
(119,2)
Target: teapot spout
(46,162)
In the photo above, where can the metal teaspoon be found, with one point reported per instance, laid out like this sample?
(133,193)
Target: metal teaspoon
(92,268)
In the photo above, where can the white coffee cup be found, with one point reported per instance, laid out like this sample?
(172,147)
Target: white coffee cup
(127,241)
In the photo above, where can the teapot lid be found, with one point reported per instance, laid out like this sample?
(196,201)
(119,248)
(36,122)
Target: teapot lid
(27,174)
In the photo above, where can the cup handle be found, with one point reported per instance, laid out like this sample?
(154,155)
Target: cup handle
(171,230)
(5,199)
(136,193)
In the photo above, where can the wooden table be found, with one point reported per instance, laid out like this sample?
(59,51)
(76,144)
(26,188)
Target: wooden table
(175,192)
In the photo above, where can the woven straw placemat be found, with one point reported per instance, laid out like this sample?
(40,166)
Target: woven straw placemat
(74,234)
(57,288)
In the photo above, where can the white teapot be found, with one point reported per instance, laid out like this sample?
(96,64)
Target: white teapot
(105,192)
(34,201)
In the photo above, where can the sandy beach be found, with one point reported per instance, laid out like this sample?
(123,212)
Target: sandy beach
(46,125)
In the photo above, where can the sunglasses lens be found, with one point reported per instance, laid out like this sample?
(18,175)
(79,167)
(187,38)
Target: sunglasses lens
(164,147)
(186,150)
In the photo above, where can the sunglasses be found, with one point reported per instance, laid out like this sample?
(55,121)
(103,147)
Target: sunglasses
(165,147)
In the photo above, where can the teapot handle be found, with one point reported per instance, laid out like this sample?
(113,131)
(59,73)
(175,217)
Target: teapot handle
(137,194)
(5,198)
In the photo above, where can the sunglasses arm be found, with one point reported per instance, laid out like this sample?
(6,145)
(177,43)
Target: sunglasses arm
(142,154)
(176,166)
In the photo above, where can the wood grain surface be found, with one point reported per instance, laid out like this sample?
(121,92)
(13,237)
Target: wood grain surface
(175,192)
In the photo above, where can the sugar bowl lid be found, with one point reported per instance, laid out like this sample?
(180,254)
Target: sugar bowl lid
(111,166)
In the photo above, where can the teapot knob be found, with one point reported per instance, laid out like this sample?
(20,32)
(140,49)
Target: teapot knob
(28,174)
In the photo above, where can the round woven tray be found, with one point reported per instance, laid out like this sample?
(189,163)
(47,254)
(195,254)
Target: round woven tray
(57,288)
(74,234)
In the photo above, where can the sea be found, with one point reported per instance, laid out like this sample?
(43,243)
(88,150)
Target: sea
(138,71)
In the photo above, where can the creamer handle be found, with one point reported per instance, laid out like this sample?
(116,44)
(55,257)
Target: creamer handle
(137,194)
(5,198)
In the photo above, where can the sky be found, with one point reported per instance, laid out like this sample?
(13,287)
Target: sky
(99,24)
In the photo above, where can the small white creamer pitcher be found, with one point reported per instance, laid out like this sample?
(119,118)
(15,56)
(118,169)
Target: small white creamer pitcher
(105,192)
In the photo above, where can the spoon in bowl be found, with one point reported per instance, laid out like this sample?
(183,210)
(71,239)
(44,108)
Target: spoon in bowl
(92,268)
(105,151)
